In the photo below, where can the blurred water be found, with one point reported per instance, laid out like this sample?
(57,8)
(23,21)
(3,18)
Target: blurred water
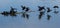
(33,22)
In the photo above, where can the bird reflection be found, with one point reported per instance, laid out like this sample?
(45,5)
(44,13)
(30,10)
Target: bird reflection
(56,12)
(27,16)
(24,15)
(41,14)
(48,17)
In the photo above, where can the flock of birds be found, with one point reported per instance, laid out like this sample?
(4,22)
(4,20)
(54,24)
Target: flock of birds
(26,9)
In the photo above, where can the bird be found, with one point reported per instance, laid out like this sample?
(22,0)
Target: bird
(23,7)
(5,13)
(41,8)
(27,9)
(48,17)
(12,12)
(48,9)
(55,7)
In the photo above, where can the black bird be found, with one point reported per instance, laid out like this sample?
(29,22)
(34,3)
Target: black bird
(23,7)
(12,12)
(41,8)
(5,13)
(41,14)
(48,17)
(55,7)
(27,9)
(48,10)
